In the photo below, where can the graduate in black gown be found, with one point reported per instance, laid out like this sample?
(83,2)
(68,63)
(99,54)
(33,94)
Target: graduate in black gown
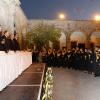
(49,57)
(73,59)
(69,59)
(59,59)
(64,58)
(82,59)
(54,58)
(78,59)
(97,68)
(93,61)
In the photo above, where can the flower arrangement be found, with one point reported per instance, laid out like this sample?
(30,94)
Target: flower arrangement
(48,85)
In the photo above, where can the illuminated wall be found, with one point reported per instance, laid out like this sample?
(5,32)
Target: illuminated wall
(10,14)
(78,36)
(80,30)
(95,38)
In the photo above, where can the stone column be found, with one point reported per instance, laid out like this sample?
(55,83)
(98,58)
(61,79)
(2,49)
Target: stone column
(88,41)
(68,41)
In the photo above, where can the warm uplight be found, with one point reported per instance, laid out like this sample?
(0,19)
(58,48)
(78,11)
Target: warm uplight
(97,17)
(62,16)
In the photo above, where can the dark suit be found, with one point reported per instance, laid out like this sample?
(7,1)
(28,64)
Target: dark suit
(4,44)
(11,45)
(16,45)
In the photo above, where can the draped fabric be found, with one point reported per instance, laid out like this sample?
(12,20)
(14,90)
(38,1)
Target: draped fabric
(12,65)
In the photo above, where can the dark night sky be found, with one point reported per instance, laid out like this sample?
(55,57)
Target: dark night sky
(49,9)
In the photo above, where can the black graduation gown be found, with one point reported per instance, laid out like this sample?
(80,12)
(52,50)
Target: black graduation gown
(59,60)
(76,61)
(49,59)
(68,63)
(93,62)
(97,68)
(83,58)
(64,60)
(54,59)
(72,60)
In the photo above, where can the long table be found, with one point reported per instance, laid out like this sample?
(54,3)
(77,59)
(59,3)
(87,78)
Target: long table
(12,64)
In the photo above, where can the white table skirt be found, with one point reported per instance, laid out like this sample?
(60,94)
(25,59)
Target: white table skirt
(12,65)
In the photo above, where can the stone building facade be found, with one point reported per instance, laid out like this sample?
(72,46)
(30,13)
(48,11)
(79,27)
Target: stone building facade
(85,32)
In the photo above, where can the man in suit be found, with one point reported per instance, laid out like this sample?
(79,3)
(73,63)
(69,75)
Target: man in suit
(16,44)
(11,45)
(4,42)
(1,39)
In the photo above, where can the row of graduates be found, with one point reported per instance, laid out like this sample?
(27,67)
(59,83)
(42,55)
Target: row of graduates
(78,59)
(8,42)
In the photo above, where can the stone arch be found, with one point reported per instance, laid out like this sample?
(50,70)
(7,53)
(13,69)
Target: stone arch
(62,40)
(78,36)
(95,38)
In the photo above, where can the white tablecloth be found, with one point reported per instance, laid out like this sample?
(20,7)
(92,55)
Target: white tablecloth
(12,65)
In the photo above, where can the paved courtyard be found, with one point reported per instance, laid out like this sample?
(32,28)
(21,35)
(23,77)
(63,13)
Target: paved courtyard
(75,85)
(27,86)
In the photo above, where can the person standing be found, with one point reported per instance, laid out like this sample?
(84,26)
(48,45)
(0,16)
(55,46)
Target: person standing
(5,43)
(11,46)
(16,44)
(59,59)
(49,57)
(97,68)
(54,58)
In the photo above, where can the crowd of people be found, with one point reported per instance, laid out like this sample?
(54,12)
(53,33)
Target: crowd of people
(77,59)
(8,41)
